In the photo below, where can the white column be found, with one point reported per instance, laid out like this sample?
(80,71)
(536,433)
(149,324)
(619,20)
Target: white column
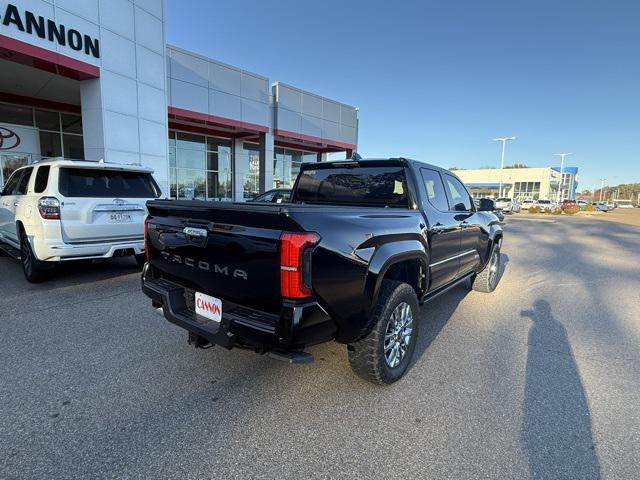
(267,170)
(240,165)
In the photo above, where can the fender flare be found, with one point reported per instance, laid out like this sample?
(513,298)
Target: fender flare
(387,255)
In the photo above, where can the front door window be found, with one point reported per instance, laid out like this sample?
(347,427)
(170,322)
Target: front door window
(10,162)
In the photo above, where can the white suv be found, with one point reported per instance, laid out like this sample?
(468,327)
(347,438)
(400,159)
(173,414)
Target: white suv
(508,204)
(60,210)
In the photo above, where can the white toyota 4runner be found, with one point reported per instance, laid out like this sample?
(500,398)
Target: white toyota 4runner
(61,210)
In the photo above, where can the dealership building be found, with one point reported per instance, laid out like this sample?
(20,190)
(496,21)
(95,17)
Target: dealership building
(94,79)
(532,183)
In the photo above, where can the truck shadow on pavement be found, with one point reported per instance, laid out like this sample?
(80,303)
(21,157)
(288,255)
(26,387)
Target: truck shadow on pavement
(556,431)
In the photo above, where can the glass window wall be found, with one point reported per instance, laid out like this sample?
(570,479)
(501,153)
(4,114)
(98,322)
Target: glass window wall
(60,133)
(286,166)
(200,167)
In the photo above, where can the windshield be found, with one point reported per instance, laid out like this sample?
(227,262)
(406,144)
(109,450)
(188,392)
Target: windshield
(379,186)
(100,183)
(503,200)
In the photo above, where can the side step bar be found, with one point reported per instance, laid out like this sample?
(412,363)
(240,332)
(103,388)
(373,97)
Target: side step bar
(292,357)
(436,293)
(9,250)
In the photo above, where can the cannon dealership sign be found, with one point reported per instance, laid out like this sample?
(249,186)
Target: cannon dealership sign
(45,28)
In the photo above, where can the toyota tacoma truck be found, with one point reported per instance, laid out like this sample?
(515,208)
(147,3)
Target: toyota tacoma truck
(351,256)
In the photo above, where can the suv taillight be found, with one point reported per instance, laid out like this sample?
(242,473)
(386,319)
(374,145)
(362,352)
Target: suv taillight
(295,263)
(146,237)
(49,208)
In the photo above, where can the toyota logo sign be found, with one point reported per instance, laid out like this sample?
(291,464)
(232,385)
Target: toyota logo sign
(8,139)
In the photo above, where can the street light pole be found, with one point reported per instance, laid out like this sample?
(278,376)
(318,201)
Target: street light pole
(504,143)
(561,155)
(602,180)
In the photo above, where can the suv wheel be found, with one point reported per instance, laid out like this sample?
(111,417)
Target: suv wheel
(487,280)
(34,270)
(384,355)
(141,258)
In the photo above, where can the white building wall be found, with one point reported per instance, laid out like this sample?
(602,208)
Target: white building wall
(544,175)
(124,111)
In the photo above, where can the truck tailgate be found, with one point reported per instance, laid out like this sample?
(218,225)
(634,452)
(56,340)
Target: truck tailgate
(229,251)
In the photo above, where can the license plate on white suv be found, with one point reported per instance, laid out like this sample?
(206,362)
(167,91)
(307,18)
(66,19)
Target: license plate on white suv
(209,307)
(120,218)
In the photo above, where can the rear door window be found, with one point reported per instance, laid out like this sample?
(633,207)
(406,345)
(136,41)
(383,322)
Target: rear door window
(367,186)
(435,189)
(99,183)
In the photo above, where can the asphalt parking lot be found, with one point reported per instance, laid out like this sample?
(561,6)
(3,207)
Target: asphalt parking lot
(540,379)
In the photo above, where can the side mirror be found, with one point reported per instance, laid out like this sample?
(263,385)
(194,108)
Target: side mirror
(486,205)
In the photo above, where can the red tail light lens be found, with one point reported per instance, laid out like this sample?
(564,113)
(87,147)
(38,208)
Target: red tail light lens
(295,281)
(49,208)
(146,237)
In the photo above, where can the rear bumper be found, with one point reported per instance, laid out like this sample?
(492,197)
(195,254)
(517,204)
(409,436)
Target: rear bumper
(53,251)
(297,326)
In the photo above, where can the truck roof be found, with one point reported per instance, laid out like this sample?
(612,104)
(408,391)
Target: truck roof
(372,161)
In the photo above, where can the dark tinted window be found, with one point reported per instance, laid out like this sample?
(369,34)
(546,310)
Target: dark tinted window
(459,199)
(23,183)
(382,186)
(42,178)
(435,189)
(94,182)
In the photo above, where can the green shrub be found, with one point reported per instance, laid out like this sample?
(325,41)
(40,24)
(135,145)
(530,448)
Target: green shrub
(554,211)
(571,210)
(535,210)
(589,208)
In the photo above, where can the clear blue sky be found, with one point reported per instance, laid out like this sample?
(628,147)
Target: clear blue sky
(438,80)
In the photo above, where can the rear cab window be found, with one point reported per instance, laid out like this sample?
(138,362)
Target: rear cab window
(101,183)
(384,186)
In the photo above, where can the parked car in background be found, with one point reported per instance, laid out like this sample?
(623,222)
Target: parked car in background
(545,204)
(527,204)
(506,204)
(64,210)
(602,206)
(568,204)
(582,204)
(277,195)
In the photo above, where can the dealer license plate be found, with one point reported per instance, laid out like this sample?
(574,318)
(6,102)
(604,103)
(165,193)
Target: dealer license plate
(209,307)
(120,218)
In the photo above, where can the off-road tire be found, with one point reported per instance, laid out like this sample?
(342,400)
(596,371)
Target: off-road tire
(487,280)
(367,355)
(35,271)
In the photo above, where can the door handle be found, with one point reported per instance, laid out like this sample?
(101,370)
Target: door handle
(464,224)
(438,227)
(15,204)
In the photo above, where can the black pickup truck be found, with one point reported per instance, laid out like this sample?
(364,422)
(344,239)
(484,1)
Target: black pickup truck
(360,245)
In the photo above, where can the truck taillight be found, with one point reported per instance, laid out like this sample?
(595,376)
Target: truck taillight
(49,208)
(146,237)
(295,263)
